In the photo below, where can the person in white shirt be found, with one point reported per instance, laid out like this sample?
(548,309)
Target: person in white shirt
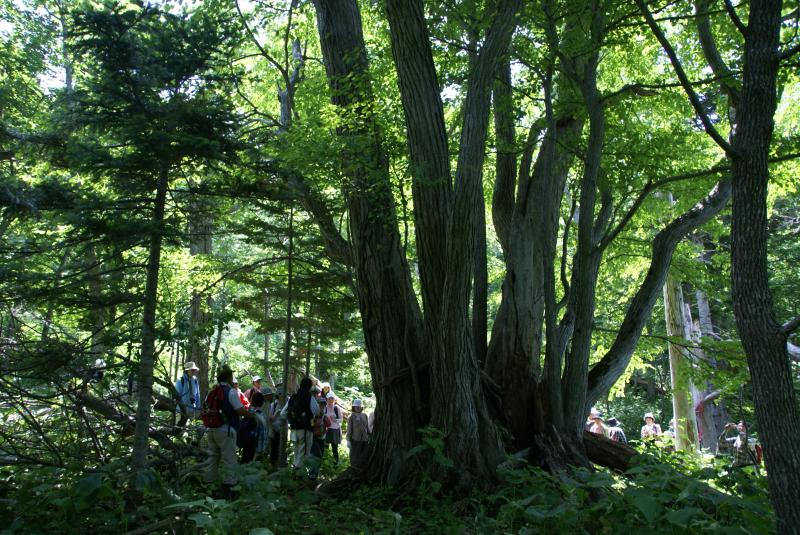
(650,429)
(334,433)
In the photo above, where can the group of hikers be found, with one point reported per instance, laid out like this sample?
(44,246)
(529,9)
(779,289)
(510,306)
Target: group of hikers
(250,422)
(744,450)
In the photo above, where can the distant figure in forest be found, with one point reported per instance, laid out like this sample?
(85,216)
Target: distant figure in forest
(358,435)
(615,431)
(319,429)
(596,424)
(188,389)
(744,450)
(242,398)
(272,409)
(333,435)
(300,412)
(253,433)
(650,429)
(221,413)
(253,389)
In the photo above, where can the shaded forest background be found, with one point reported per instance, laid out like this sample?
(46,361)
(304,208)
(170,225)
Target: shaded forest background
(486,218)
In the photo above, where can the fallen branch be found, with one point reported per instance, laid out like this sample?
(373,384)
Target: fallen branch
(607,452)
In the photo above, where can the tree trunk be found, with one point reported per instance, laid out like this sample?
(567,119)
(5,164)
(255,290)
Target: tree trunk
(763,338)
(392,324)
(712,415)
(147,356)
(679,364)
(200,229)
(287,340)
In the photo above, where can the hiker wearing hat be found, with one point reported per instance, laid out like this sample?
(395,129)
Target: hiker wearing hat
(615,431)
(357,435)
(650,429)
(253,389)
(188,389)
(242,398)
(596,426)
(333,435)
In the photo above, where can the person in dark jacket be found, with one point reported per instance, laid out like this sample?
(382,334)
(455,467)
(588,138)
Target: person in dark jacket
(615,431)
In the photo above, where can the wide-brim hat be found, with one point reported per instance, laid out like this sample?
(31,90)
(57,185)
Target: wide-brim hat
(267,391)
(356,403)
(595,414)
(648,415)
(190,366)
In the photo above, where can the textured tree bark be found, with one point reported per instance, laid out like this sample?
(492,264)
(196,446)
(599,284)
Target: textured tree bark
(506,159)
(391,317)
(470,432)
(428,147)
(762,336)
(147,351)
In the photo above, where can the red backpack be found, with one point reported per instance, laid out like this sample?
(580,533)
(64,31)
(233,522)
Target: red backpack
(212,413)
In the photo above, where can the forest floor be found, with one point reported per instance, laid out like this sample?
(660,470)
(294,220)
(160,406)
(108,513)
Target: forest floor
(661,493)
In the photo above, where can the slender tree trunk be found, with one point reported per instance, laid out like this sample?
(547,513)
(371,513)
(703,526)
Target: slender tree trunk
(762,336)
(287,347)
(712,414)
(480,287)
(147,356)
(200,234)
(679,364)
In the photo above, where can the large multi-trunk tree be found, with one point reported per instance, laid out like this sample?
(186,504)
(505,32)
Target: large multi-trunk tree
(535,381)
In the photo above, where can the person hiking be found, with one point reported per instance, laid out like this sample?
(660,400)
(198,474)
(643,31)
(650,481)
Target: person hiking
(615,431)
(300,411)
(272,409)
(188,389)
(596,424)
(743,449)
(252,434)
(253,389)
(242,398)
(650,429)
(319,428)
(221,413)
(333,435)
(358,435)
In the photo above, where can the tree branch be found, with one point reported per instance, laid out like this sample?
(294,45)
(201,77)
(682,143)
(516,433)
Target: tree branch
(786,54)
(791,325)
(687,86)
(711,53)
(606,372)
(735,17)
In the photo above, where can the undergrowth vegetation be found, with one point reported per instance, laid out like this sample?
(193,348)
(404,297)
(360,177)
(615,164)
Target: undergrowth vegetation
(661,493)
